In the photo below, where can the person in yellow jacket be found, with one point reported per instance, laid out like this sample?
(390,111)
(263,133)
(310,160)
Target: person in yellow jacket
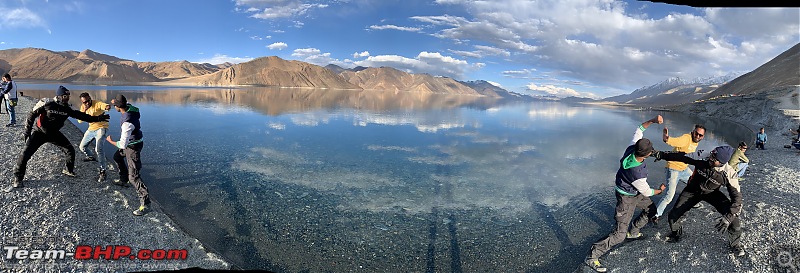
(96,131)
(677,170)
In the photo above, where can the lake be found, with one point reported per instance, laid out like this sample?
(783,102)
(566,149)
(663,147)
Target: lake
(303,180)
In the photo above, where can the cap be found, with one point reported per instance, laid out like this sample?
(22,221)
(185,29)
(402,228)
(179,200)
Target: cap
(120,101)
(643,147)
(723,153)
(62,91)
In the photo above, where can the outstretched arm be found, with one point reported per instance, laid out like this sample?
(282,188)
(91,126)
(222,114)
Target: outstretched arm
(83,116)
(658,119)
(639,133)
(682,157)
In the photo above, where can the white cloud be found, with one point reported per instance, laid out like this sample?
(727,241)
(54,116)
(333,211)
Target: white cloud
(383,27)
(259,38)
(315,56)
(606,43)
(221,58)
(432,63)
(446,20)
(21,18)
(276,9)
(483,51)
(278,46)
(361,54)
(561,92)
(495,84)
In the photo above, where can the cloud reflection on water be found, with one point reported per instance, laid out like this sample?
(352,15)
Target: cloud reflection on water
(482,167)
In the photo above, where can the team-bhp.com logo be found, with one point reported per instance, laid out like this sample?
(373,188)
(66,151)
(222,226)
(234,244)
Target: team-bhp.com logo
(86,252)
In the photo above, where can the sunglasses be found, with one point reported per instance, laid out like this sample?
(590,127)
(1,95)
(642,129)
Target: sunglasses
(697,134)
(87,102)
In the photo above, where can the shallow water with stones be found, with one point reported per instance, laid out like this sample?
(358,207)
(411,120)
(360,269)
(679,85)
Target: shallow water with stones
(299,180)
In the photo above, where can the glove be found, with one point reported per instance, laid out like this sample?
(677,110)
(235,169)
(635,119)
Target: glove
(104,117)
(657,155)
(25,136)
(723,224)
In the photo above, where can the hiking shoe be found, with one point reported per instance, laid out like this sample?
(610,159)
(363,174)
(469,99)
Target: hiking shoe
(10,124)
(738,251)
(655,220)
(142,210)
(699,206)
(17,183)
(102,176)
(120,183)
(636,236)
(89,158)
(595,264)
(673,238)
(68,173)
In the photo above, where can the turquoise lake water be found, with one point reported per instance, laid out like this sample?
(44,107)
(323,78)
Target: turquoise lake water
(302,180)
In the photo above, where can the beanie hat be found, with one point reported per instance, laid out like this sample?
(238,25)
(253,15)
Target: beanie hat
(120,101)
(62,91)
(723,153)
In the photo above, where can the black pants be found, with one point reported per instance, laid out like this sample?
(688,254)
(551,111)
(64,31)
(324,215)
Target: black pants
(626,207)
(717,199)
(38,139)
(129,164)
(760,145)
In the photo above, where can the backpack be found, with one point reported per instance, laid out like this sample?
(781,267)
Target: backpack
(39,104)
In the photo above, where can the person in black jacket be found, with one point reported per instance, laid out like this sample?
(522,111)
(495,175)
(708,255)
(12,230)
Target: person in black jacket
(49,116)
(710,174)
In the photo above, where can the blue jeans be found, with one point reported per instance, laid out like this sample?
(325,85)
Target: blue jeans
(672,184)
(99,136)
(741,166)
(12,115)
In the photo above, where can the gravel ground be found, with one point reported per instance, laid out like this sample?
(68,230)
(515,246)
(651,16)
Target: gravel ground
(55,212)
(771,190)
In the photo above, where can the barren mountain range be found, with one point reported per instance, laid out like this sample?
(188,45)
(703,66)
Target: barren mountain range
(96,68)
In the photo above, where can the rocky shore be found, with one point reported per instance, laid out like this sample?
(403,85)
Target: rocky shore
(771,190)
(54,212)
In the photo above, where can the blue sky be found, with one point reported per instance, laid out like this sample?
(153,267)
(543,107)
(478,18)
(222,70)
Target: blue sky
(589,48)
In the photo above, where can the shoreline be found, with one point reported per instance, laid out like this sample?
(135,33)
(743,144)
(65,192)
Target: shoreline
(56,212)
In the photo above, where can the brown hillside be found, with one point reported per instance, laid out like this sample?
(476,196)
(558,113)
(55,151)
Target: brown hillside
(92,67)
(176,70)
(783,70)
(390,79)
(73,66)
(271,71)
(91,55)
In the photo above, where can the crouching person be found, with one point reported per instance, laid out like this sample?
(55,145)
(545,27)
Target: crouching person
(710,175)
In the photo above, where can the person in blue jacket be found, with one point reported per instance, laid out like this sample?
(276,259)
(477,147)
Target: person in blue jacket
(128,156)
